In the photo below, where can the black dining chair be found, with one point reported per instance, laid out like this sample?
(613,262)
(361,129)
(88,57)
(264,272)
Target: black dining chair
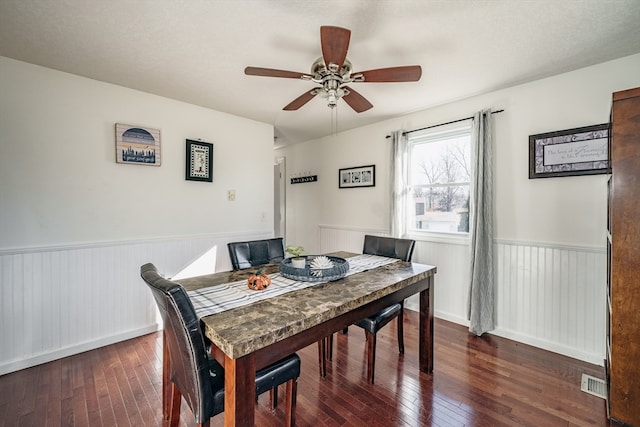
(401,249)
(256,252)
(260,252)
(194,374)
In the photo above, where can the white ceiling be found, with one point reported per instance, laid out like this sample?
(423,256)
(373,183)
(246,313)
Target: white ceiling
(196,50)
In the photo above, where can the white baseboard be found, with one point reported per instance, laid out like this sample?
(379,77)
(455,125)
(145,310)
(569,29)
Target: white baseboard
(412,304)
(594,359)
(16,365)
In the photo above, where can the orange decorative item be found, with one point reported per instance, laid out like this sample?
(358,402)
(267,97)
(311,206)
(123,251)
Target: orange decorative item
(258,281)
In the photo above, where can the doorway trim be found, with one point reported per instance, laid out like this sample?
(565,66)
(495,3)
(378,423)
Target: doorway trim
(279,198)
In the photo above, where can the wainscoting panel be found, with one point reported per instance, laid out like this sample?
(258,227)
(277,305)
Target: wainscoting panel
(59,301)
(548,296)
(452,278)
(553,297)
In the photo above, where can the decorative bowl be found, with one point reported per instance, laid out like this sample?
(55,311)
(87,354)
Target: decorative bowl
(338,270)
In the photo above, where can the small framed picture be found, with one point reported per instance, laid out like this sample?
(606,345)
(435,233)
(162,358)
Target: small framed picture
(360,176)
(199,165)
(571,152)
(137,145)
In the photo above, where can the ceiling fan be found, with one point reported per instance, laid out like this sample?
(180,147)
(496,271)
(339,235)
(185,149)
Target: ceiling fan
(333,72)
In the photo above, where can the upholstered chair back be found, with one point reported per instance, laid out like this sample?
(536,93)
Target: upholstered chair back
(256,252)
(401,249)
(190,368)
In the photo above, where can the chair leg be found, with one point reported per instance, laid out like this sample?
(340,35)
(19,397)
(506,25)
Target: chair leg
(371,355)
(174,406)
(329,347)
(273,397)
(167,386)
(325,352)
(322,360)
(400,320)
(290,411)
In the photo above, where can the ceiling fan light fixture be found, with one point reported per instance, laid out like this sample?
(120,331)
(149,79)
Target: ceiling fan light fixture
(333,96)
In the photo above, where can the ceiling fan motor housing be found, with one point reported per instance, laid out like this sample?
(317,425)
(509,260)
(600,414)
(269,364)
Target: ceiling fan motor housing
(331,80)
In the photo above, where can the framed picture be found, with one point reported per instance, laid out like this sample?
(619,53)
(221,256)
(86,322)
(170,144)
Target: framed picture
(579,151)
(199,165)
(137,145)
(360,176)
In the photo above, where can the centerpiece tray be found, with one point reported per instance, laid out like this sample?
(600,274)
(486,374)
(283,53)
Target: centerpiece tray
(312,273)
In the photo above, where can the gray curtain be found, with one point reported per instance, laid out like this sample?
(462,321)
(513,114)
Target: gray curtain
(399,154)
(481,304)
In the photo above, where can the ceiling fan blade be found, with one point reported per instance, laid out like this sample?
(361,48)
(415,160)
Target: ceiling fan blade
(409,73)
(335,43)
(270,72)
(356,101)
(301,100)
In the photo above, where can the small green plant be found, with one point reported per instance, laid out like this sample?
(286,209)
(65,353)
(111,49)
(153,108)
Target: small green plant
(295,251)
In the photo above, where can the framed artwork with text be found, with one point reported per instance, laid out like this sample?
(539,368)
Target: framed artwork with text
(137,145)
(199,157)
(571,152)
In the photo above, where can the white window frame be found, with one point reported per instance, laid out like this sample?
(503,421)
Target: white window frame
(432,135)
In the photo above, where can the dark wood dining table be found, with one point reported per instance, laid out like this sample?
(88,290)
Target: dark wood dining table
(253,336)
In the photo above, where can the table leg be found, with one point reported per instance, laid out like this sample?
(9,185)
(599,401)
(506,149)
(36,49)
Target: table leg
(239,391)
(426,328)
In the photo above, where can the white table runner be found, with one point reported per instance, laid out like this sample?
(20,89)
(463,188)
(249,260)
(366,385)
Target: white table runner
(217,299)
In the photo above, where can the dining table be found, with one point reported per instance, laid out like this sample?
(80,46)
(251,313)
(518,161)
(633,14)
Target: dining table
(249,330)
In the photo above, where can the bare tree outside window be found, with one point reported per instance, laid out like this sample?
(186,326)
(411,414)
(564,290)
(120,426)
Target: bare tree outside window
(440,176)
(432,171)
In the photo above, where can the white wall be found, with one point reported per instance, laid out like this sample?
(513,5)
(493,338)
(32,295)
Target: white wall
(75,226)
(556,214)
(60,182)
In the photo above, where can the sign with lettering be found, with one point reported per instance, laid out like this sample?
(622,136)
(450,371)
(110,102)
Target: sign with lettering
(592,150)
(579,151)
(303,179)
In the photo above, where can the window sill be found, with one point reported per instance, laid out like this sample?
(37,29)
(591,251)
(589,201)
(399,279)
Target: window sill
(449,238)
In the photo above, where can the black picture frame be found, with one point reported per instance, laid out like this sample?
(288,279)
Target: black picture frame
(357,177)
(570,152)
(199,161)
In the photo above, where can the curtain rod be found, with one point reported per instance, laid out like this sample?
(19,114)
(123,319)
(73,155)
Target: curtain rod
(442,124)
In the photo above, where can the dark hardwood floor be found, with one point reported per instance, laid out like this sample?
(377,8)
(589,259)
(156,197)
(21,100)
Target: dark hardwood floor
(487,381)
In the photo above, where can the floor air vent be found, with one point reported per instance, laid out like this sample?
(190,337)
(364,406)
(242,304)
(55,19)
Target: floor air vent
(593,385)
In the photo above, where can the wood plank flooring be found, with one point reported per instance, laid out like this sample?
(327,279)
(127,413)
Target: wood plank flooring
(486,381)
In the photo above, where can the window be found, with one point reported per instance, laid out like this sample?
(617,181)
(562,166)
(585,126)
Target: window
(439,179)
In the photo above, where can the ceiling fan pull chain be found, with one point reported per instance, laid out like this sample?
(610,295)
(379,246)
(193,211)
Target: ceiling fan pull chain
(334,120)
